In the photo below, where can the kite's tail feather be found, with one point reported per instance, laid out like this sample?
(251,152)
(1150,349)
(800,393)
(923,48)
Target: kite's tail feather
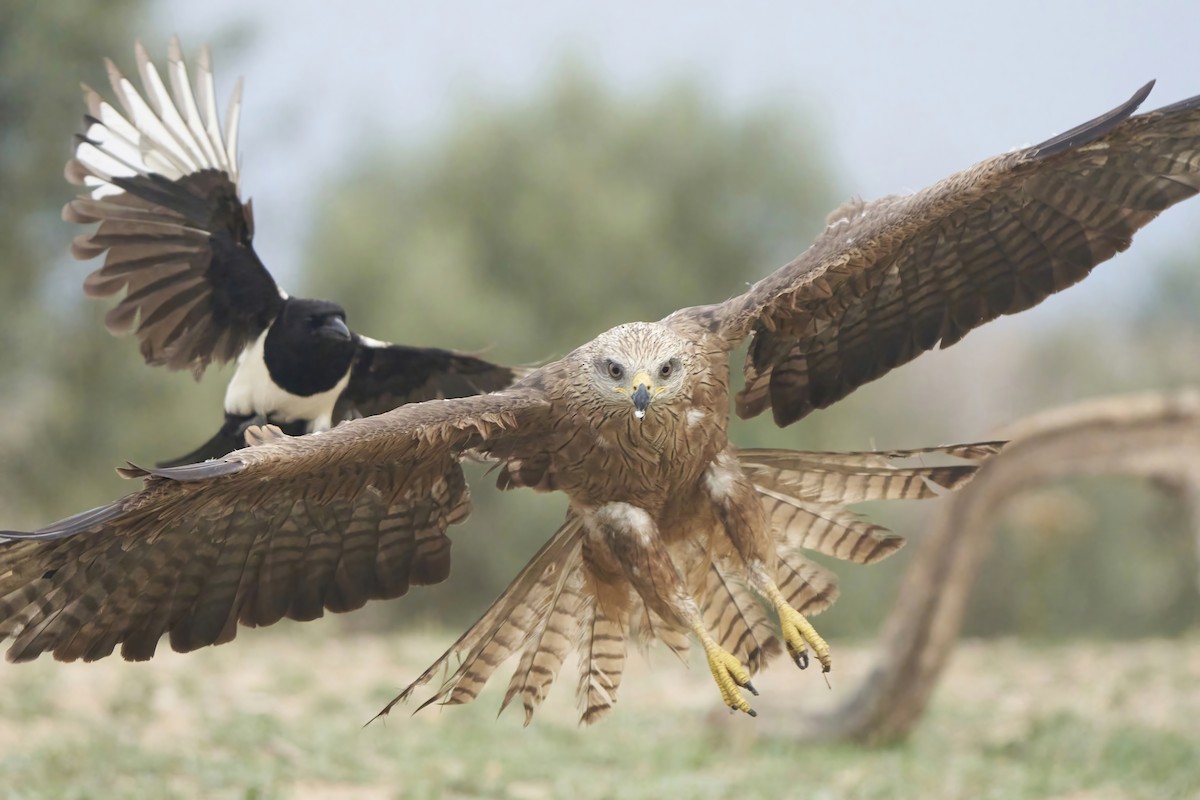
(505,627)
(804,494)
(551,642)
(602,646)
(808,587)
(853,477)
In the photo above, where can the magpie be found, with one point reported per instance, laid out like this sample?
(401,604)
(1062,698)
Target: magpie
(161,179)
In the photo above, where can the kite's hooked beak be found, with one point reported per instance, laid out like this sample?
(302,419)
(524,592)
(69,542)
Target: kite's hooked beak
(640,394)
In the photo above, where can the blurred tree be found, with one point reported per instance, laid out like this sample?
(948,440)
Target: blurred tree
(1103,557)
(76,401)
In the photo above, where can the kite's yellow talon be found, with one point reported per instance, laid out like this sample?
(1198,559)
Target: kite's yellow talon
(799,635)
(729,674)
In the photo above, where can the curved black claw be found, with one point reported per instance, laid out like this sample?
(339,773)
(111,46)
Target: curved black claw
(748,686)
(801,660)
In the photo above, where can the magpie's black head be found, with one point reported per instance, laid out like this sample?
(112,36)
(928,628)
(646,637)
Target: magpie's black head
(314,322)
(309,348)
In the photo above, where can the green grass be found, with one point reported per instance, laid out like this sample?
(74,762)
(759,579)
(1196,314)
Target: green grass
(280,714)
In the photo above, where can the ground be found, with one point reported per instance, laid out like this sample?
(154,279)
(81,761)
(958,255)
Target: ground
(280,713)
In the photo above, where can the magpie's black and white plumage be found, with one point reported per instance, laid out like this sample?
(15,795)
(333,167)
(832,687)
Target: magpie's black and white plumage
(162,181)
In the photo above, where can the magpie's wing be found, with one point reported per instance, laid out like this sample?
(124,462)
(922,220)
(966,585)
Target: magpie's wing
(162,180)
(385,376)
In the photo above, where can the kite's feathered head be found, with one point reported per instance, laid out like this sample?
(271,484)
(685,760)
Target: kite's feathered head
(639,364)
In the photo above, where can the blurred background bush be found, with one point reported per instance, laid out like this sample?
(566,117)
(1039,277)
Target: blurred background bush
(524,223)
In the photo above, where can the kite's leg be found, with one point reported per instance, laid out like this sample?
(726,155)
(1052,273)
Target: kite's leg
(746,524)
(622,539)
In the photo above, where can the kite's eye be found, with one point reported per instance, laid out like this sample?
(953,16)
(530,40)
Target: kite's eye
(615,370)
(666,369)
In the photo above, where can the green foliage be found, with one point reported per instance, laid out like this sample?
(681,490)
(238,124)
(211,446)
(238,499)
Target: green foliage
(73,397)
(1106,558)
(77,402)
(45,49)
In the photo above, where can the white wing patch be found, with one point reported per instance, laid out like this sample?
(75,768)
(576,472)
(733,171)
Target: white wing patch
(166,133)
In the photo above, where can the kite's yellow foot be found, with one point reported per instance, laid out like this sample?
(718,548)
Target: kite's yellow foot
(800,635)
(729,674)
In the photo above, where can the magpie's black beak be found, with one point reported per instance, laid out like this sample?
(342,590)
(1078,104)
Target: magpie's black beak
(334,328)
(641,400)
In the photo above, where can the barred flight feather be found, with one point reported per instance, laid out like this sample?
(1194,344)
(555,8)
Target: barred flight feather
(604,636)
(827,528)
(505,627)
(552,640)
(854,477)
(808,587)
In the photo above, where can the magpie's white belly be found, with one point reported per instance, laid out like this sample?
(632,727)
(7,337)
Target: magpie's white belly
(251,391)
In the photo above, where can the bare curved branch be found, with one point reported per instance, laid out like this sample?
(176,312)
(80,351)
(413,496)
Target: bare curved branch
(1152,436)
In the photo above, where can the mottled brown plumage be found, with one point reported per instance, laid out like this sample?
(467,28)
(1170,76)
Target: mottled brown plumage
(672,533)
